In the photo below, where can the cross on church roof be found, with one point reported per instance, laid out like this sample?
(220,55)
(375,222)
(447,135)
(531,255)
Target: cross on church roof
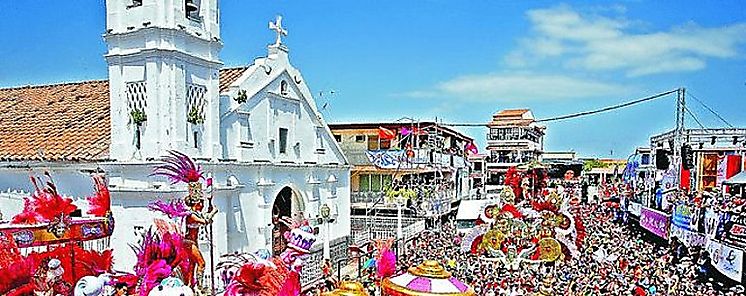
(279,30)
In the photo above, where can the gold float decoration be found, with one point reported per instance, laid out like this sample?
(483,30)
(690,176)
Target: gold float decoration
(348,288)
(429,274)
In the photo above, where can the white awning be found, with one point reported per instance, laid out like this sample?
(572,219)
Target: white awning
(470,209)
(738,179)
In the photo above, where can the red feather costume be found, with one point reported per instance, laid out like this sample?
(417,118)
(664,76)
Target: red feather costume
(21,275)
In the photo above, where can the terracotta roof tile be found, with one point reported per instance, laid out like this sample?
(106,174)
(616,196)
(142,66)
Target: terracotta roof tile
(53,122)
(229,75)
(63,122)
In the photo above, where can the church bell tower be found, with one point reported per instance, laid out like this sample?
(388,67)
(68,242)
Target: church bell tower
(163,77)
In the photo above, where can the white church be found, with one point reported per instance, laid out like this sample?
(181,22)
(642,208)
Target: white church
(255,129)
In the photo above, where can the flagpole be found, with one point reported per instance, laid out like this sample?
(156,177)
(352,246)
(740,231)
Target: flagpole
(210,237)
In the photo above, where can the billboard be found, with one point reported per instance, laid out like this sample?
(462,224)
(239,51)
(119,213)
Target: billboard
(654,221)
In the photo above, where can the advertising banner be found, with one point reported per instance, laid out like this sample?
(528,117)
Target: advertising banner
(726,260)
(734,231)
(634,209)
(686,217)
(654,221)
(712,220)
(689,238)
(396,159)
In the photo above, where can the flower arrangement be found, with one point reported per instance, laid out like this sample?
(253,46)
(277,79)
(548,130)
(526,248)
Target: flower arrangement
(407,194)
(138,117)
(194,116)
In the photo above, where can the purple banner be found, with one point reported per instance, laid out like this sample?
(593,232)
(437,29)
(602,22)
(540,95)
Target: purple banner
(654,221)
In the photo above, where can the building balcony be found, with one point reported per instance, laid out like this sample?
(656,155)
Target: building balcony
(513,145)
(509,161)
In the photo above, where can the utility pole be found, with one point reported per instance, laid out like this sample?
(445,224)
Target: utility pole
(679,132)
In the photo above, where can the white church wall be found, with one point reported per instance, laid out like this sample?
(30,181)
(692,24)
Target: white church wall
(169,59)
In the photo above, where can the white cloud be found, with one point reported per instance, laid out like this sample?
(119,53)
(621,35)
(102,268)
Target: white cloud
(569,53)
(518,86)
(602,43)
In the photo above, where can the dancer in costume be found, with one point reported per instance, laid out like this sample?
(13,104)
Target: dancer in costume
(178,168)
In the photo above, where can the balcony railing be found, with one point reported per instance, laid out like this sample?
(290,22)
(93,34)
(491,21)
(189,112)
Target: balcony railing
(384,228)
(365,197)
(436,204)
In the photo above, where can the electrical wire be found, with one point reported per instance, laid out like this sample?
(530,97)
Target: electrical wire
(709,109)
(627,104)
(580,114)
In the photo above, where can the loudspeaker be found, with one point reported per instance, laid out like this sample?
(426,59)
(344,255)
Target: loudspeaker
(661,159)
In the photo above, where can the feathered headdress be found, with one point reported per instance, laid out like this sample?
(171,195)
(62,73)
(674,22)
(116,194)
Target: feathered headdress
(158,255)
(178,167)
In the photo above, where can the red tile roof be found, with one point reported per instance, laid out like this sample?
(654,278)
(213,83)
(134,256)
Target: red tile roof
(229,75)
(511,112)
(62,122)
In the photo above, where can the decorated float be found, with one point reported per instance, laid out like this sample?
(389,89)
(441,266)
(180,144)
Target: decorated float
(261,275)
(348,288)
(529,224)
(52,245)
(427,279)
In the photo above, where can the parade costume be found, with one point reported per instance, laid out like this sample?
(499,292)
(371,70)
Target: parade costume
(533,227)
(427,279)
(179,168)
(278,276)
(59,260)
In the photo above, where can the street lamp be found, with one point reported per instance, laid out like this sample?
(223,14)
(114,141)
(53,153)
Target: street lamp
(325,212)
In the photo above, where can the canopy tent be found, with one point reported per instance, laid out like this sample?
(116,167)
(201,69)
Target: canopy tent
(427,279)
(738,179)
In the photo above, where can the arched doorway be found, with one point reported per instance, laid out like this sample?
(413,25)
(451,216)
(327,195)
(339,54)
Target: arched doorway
(287,208)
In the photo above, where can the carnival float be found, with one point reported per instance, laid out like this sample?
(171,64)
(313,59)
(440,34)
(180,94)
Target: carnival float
(51,245)
(426,279)
(348,288)
(528,225)
(50,248)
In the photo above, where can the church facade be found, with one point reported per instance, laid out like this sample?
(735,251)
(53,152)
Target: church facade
(255,130)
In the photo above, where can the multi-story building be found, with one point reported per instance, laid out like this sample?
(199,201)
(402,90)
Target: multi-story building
(425,158)
(514,138)
(478,175)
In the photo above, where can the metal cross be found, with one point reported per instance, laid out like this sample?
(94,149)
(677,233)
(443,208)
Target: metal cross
(279,30)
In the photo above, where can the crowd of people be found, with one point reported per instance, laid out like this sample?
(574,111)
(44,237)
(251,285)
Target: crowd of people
(616,260)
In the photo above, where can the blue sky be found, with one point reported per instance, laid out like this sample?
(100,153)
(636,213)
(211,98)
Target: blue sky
(459,61)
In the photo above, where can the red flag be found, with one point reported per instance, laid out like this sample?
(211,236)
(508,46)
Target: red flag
(386,134)
(471,148)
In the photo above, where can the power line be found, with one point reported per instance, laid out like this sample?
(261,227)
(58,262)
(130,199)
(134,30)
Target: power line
(627,104)
(580,114)
(709,109)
